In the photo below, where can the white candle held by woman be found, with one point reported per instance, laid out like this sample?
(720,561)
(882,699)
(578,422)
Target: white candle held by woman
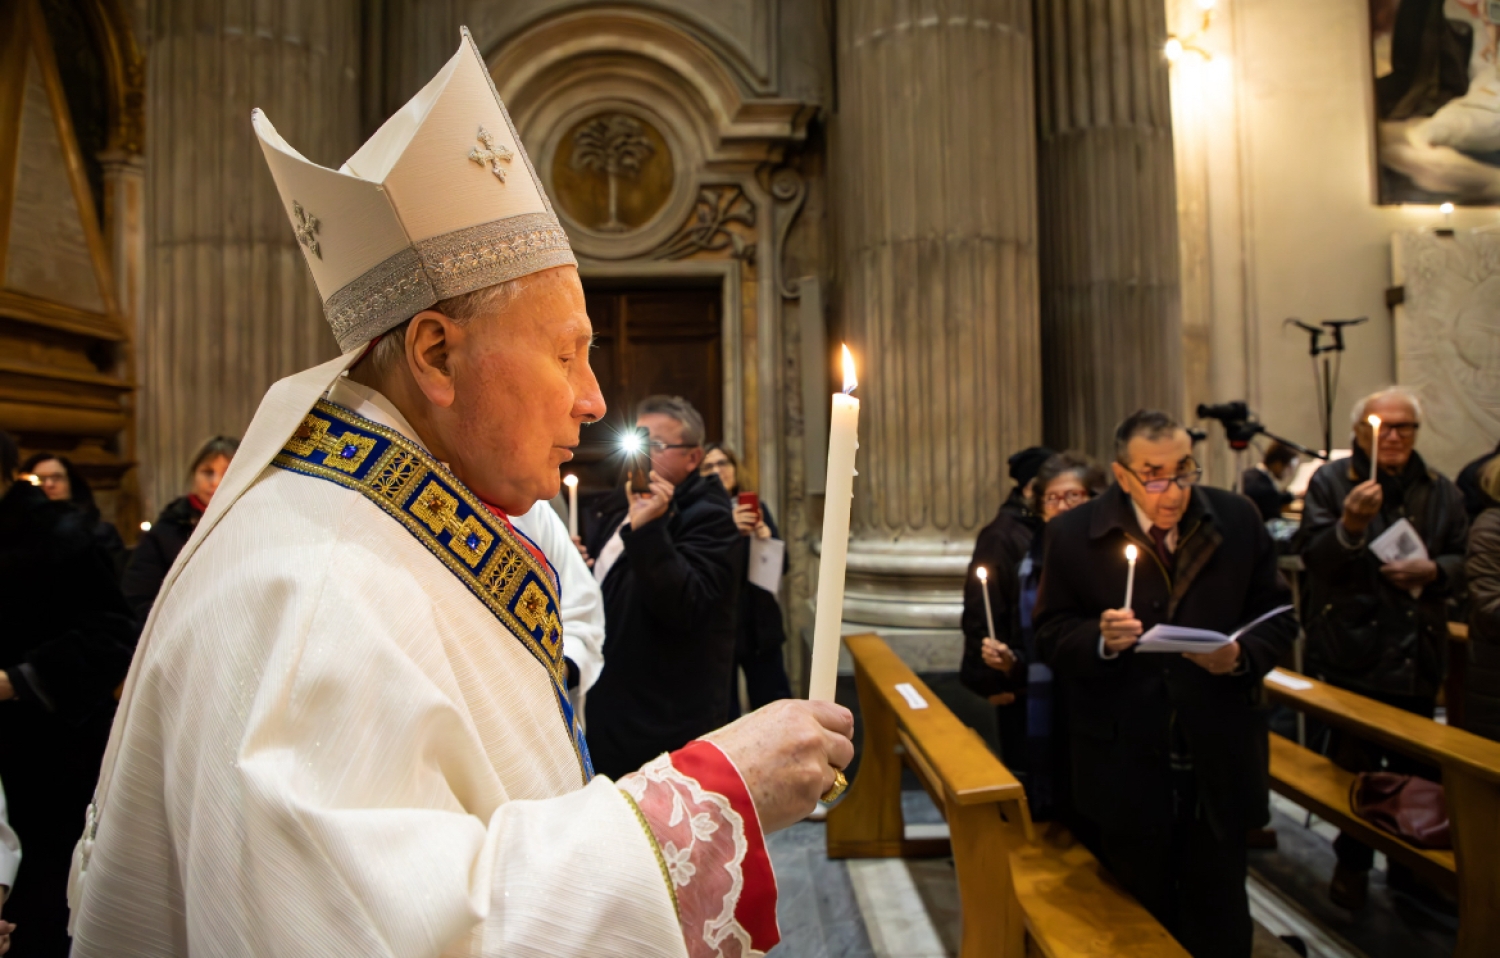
(843,440)
(571,481)
(1131,552)
(989,612)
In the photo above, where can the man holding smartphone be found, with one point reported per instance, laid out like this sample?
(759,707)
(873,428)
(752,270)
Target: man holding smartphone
(670,575)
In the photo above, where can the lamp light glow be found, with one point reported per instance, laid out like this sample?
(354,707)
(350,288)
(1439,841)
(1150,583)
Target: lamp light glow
(1446,209)
(1172,50)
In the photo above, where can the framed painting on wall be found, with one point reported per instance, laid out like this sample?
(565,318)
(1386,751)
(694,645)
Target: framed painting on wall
(1437,100)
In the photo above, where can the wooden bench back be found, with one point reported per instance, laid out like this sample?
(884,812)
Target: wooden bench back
(1471,784)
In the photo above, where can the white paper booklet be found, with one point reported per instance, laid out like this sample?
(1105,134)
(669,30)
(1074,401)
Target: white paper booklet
(766,559)
(1180,638)
(1398,543)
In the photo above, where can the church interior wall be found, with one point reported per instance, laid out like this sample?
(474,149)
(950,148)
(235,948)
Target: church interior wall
(1282,190)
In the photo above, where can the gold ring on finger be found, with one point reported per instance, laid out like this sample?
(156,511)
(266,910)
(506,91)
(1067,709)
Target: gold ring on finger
(840,783)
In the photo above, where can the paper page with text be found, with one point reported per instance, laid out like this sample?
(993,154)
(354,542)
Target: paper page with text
(1180,638)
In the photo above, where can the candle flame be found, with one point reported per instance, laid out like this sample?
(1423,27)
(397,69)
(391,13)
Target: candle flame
(570,480)
(983,573)
(1374,422)
(850,380)
(1131,552)
(145,527)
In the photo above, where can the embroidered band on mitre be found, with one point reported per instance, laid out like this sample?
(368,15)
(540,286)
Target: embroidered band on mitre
(441,201)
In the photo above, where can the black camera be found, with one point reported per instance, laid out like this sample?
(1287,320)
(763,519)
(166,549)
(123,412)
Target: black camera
(1239,423)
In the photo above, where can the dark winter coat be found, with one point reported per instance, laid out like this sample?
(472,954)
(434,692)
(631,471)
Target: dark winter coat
(154,554)
(1260,488)
(1482,680)
(1000,547)
(1363,633)
(1122,712)
(669,627)
(761,629)
(1476,500)
(65,645)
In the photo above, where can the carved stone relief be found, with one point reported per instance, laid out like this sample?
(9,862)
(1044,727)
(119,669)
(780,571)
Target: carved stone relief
(1448,341)
(722,219)
(613,172)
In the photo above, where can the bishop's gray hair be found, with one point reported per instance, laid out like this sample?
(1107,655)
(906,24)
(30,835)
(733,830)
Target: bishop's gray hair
(675,407)
(390,349)
(1358,413)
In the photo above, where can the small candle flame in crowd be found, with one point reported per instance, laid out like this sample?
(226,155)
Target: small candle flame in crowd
(145,527)
(1131,552)
(570,480)
(1375,432)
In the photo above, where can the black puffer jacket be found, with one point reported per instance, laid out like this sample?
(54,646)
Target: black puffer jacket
(154,554)
(670,604)
(1362,632)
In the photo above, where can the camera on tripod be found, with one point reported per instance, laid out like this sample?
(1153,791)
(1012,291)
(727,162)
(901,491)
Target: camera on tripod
(1239,424)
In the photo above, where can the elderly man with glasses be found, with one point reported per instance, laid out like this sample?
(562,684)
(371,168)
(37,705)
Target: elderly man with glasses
(1169,750)
(670,572)
(1379,628)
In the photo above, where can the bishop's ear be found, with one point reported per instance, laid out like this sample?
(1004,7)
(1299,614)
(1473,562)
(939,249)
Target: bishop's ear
(429,338)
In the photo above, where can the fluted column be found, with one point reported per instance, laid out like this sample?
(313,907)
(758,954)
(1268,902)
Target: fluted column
(1111,312)
(935,136)
(231,306)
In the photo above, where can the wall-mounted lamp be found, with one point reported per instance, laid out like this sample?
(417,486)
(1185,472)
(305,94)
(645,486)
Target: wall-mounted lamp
(1176,47)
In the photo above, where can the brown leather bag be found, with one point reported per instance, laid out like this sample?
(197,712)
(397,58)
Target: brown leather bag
(1411,808)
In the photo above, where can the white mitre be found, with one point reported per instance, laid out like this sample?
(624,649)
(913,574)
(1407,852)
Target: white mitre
(441,201)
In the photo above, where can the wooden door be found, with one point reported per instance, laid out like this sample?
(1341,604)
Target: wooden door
(650,341)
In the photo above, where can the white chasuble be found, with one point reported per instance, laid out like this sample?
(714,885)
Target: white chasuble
(340,736)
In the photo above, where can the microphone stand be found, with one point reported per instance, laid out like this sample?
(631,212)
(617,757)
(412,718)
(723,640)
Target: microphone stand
(1325,382)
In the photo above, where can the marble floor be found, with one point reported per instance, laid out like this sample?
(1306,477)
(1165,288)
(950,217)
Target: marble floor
(889,908)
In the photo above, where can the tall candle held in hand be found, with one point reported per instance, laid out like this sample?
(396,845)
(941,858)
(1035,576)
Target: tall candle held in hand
(1130,555)
(843,440)
(989,613)
(571,481)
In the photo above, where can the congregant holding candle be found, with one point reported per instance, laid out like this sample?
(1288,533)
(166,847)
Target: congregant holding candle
(1000,661)
(1167,750)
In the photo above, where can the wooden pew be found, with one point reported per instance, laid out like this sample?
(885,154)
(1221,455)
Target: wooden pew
(1471,782)
(1010,884)
(1458,673)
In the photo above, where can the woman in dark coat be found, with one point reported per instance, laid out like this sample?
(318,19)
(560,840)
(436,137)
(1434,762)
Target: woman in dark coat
(62,482)
(1005,668)
(760,632)
(159,545)
(1482,680)
(66,645)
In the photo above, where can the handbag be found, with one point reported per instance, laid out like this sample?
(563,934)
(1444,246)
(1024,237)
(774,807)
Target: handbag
(1411,808)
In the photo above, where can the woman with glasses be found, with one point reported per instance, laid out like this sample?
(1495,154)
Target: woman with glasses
(61,481)
(1004,668)
(759,632)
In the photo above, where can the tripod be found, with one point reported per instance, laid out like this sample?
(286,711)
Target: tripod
(1327,364)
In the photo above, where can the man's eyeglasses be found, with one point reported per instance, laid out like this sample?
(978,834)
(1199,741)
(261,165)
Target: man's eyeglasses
(1403,429)
(1183,480)
(656,445)
(1072,497)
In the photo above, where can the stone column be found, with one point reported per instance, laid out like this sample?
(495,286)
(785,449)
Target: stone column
(936,179)
(125,235)
(1111,313)
(231,306)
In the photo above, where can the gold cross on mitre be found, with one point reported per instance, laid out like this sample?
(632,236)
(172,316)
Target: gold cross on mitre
(491,155)
(307,229)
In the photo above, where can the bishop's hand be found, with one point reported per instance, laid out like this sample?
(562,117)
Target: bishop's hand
(787,753)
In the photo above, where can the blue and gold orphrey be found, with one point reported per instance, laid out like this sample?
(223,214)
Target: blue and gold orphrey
(486,555)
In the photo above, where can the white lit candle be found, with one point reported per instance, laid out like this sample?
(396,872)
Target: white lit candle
(1374,422)
(843,440)
(571,481)
(984,587)
(1130,556)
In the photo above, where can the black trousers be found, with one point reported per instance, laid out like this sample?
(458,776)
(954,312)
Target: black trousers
(1357,755)
(1193,881)
(765,680)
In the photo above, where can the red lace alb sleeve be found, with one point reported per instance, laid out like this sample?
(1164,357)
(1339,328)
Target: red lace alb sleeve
(713,853)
